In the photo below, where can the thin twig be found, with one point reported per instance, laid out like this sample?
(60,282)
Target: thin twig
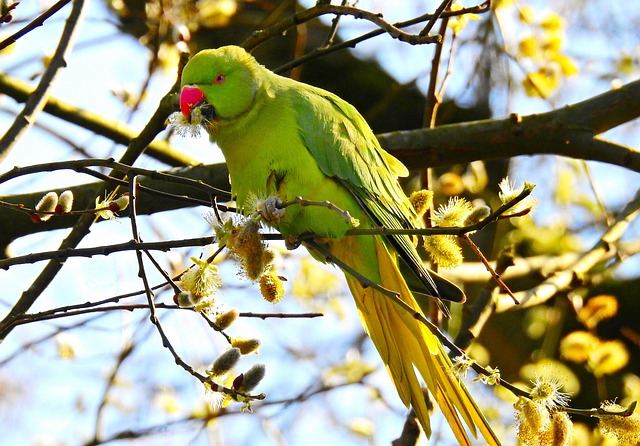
(36,102)
(321,52)
(492,271)
(35,23)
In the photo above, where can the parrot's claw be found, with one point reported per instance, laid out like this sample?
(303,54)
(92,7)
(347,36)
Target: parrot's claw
(292,242)
(271,210)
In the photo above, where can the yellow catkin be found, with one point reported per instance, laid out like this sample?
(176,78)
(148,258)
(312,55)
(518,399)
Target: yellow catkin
(421,200)
(271,287)
(246,346)
(444,250)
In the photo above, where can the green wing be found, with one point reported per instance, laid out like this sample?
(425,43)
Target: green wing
(345,148)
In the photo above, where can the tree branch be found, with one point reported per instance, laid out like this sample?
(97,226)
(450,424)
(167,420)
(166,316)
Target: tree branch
(571,131)
(576,273)
(36,101)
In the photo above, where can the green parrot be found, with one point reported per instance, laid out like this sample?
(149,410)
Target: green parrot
(285,139)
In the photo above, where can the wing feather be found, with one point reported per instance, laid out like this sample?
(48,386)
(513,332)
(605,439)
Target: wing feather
(345,148)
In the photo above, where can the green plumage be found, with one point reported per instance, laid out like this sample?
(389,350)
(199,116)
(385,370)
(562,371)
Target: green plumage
(287,139)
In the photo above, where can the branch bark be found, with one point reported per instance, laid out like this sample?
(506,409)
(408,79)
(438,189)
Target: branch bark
(570,131)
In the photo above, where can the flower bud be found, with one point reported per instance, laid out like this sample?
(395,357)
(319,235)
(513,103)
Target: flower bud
(252,378)
(246,346)
(421,200)
(626,429)
(47,203)
(183,299)
(224,320)
(477,214)
(65,202)
(121,203)
(225,362)
(562,428)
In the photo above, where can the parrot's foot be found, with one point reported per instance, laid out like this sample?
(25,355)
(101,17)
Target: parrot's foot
(292,242)
(271,210)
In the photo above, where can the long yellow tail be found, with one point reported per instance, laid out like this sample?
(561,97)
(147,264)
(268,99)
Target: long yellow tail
(405,343)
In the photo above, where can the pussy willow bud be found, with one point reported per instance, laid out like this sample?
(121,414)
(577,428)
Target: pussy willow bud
(252,378)
(224,320)
(562,428)
(47,203)
(225,362)
(121,203)
(183,299)
(477,214)
(65,202)
(246,346)
(421,201)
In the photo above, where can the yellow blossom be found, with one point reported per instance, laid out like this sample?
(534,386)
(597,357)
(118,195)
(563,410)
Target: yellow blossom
(597,309)
(508,192)
(421,201)
(202,279)
(458,23)
(271,287)
(246,346)
(608,357)
(444,250)
(576,346)
(625,428)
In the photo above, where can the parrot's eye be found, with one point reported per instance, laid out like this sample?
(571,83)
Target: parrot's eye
(219,79)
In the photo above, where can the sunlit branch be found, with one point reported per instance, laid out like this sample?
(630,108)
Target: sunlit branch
(35,23)
(256,40)
(36,101)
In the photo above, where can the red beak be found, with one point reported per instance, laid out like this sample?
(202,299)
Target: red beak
(189,97)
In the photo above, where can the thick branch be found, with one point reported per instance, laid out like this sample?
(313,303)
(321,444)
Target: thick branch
(571,131)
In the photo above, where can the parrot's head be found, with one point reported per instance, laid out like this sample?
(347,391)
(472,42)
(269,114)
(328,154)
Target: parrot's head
(218,86)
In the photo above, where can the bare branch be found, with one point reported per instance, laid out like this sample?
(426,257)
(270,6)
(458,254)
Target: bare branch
(36,101)
(38,21)
(570,131)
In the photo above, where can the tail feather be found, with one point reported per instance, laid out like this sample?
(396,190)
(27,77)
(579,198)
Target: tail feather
(405,344)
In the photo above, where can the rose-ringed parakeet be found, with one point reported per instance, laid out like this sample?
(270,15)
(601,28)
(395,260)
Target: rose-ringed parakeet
(286,139)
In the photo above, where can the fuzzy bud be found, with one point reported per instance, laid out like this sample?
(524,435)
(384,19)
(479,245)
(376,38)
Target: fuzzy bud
(444,250)
(533,422)
(47,203)
(225,362)
(421,200)
(224,320)
(478,214)
(121,203)
(183,299)
(451,184)
(245,346)
(65,202)
(562,428)
(252,377)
